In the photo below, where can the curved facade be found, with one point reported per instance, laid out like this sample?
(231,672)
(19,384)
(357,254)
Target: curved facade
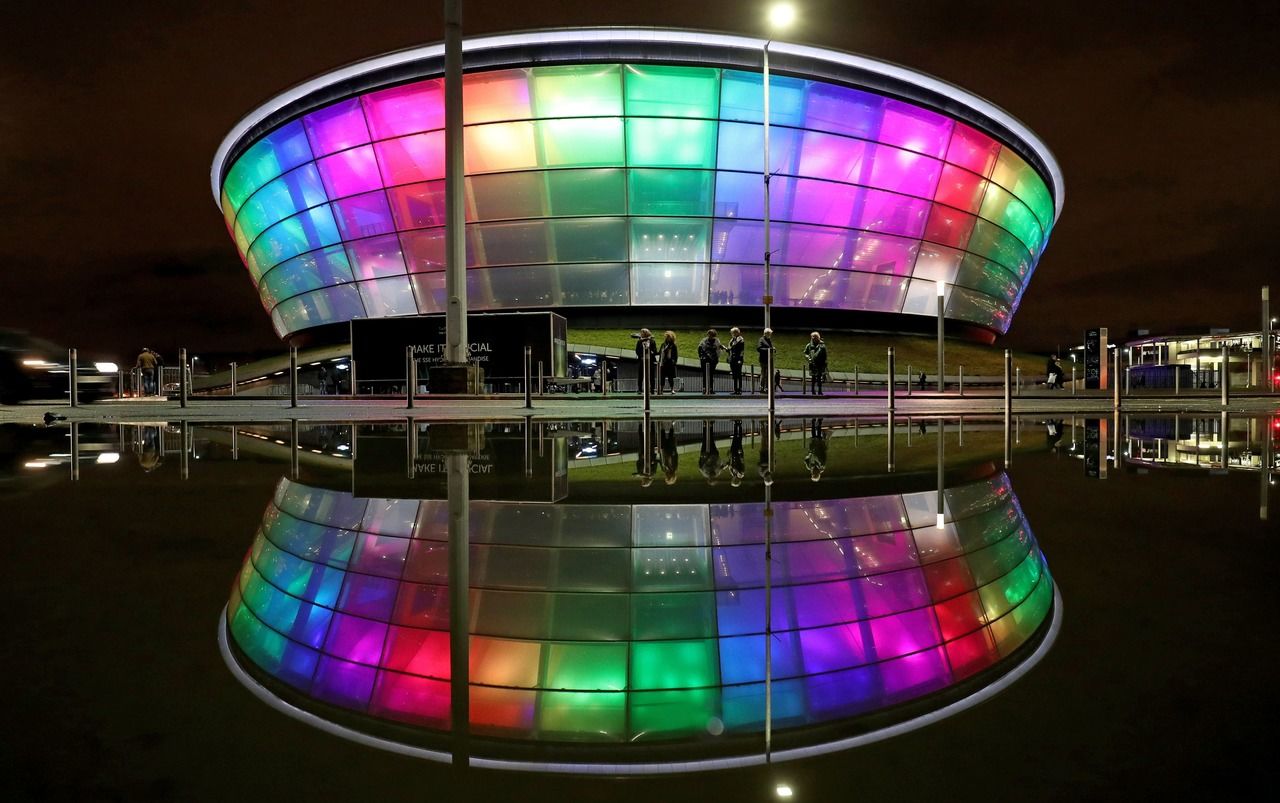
(625,170)
(600,624)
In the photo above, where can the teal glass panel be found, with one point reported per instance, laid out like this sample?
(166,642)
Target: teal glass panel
(583,715)
(277,152)
(600,666)
(586,192)
(674,664)
(660,91)
(303,232)
(670,568)
(589,240)
(998,245)
(297,190)
(1007,211)
(673,616)
(508,196)
(589,617)
(986,277)
(666,714)
(309,271)
(671,192)
(671,143)
(593,90)
(580,142)
(669,240)
(599,284)
(669,283)
(742,98)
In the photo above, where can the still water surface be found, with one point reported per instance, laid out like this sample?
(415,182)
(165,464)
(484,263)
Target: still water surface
(676,610)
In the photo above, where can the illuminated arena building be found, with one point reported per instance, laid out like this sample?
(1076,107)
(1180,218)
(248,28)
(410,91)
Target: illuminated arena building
(610,171)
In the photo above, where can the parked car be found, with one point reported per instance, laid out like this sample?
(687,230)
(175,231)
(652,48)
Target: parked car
(34,368)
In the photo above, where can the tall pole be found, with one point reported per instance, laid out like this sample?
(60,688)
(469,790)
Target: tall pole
(455,275)
(182,377)
(293,376)
(1268,354)
(459,496)
(889,379)
(768,279)
(942,298)
(73,378)
(1224,375)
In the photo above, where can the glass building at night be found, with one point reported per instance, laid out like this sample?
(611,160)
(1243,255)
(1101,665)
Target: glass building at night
(610,169)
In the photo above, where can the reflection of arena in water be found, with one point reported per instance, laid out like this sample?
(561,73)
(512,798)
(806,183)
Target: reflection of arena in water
(596,625)
(624,170)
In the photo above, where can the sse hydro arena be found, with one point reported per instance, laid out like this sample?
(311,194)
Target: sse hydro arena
(612,171)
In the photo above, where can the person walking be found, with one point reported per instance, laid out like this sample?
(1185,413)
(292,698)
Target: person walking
(737,349)
(709,349)
(146,363)
(646,359)
(668,355)
(764,352)
(815,354)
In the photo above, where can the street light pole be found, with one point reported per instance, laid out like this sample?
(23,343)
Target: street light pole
(942,297)
(768,279)
(455,276)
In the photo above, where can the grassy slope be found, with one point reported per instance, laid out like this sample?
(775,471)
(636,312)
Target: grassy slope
(844,349)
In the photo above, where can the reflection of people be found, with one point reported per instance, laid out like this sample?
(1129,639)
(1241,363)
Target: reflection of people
(709,459)
(815,354)
(669,354)
(765,469)
(152,453)
(709,349)
(737,347)
(646,458)
(670,454)
(1053,433)
(816,458)
(645,347)
(764,351)
(737,456)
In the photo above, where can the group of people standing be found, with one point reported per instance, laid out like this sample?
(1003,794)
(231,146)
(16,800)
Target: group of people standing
(659,369)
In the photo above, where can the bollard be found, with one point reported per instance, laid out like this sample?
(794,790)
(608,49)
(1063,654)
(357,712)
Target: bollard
(295,448)
(1018,372)
(1177,379)
(120,384)
(351,369)
(184,451)
(75,451)
(751,371)
(234,368)
(645,377)
(1008,386)
(961,388)
(528,379)
(909,377)
(855,380)
(293,376)
(1128,385)
(604,377)
(73,378)
(1073,379)
(182,377)
(1225,378)
(889,384)
(541,386)
(1115,381)
(410,377)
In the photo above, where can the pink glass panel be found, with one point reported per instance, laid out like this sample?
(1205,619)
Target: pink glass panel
(833,157)
(830,648)
(407,109)
(904,171)
(915,129)
(350,172)
(419,157)
(418,652)
(376,256)
(336,127)
(355,639)
(973,150)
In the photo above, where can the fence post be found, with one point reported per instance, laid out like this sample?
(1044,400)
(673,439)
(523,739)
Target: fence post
(1177,379)
(73,378)
(1115,384)
(234,368)
(182,377)
(528,382)
(604,376)
(962,381)
(855,380)
(1019,376)
(1008,387)
(1073,379)
(910,375)
(889,384)
(541,386)
(293,376)
(351,369)
(120,384)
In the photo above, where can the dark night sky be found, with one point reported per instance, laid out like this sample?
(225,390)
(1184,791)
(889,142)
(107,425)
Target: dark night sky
(1165,120)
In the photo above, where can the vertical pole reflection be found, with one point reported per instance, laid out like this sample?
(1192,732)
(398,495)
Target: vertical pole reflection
(75,451)
(1008,439)
(768,598)
(184,452)
(942,431)
(294,447)
(889,440)
(410,447)
(528,446)
(459,479)
(1223,425)
(1268,424)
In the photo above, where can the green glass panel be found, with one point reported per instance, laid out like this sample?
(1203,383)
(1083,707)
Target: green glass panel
(586,192)
(673,616)
(656,91)
(669,240)
(580,142)
(586,666)
(1002,208)
(671,192)
(1023,620)
(978,274)
(508,196)
(998,245)
(670,142)
(593,90)
(674,664)
(590,617)
(665,714)
(583,715)
(589,240)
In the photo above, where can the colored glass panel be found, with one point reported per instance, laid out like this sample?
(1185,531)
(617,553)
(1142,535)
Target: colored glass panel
(1013,173)
(418,157)
(577,91)
(586,192)
(669,240)
(659,91)
(972,150)
(671,192)
(350,172)
(407,109)
(580,142)
(498,147)
(671,142)
(315,269)
(1008,212)
(274,154)
(742,98)
(386,297)
(363,215)
(337,127)
(490,97)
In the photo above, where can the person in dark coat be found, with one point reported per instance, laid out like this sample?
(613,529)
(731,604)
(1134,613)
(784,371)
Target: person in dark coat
(670,454)
(737,349)
(816,458)
(709,349)
(709,459)
(647,368)
(764,351)
(669,355)
(815,354)
(737,456)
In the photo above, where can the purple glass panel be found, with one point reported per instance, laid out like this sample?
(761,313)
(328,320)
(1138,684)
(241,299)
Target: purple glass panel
(416,206)
(368,596)
(915,129)
(737,524)
(380,554)
(844,111)
(904,171)
(885,552)
(350,172)
(893,593)
(405,109)
(834,157)
(376,256)
(356,639)
(842,694)
(343,683)
(838,647)
(336,127)
(809,561)
(363,216)
(913,675)
(883,254)
(823,604)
